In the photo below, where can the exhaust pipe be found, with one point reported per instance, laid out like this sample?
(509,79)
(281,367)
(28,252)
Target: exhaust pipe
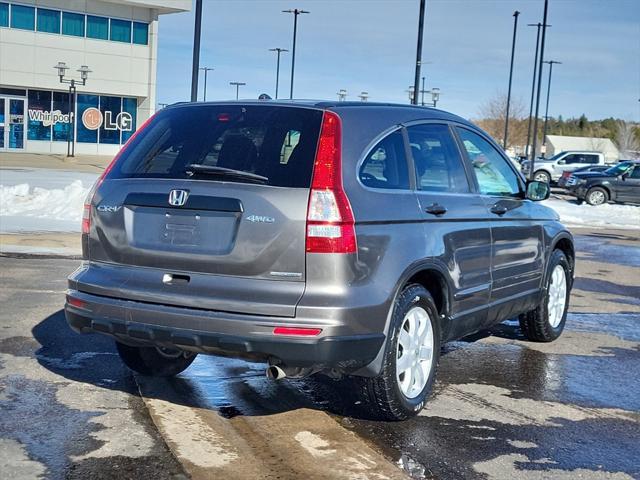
(275,373)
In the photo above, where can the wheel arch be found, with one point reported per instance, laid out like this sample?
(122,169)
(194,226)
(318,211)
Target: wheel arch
(434,278)
(564,243)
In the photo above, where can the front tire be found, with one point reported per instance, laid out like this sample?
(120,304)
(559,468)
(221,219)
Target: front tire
(546,322)
(155,361)
(411,356)
(542,176)
(597,196)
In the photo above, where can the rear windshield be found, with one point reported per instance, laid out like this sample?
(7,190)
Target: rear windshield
(276,143)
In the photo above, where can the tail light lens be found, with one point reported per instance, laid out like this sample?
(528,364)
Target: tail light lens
(86,212)
(330,222)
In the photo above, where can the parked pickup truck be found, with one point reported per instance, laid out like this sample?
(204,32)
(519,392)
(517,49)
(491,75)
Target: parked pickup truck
(550,169)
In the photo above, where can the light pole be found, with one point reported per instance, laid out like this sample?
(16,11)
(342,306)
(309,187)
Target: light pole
(533,85)
(342,95)
(364,96)
(513,51)
(62,68)
(435,96)
(279,50)
(195,64)
(416,80)
(546,112)
(295,12)
(535,118)
(205,70)
(237,85)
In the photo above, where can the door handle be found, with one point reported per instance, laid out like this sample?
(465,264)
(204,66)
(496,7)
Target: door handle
(499,210)
(436,209)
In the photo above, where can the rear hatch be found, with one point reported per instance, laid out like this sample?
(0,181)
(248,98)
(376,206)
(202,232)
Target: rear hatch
(207,207)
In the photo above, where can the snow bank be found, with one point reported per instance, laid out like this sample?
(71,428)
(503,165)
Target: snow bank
(42,200)
(610,215)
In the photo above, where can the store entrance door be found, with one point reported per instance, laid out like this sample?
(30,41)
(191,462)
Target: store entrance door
(12,122)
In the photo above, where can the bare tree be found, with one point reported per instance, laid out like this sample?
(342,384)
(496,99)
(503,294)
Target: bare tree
(627,140)
(493,114)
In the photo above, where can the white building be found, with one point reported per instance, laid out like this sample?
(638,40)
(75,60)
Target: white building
(116,39)
(561,143)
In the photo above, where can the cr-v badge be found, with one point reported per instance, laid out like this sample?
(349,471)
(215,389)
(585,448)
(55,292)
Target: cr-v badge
(260,219)
(178,198)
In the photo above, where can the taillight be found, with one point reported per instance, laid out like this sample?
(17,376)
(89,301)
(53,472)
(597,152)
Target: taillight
(330,222)
(86,212)
(297,331)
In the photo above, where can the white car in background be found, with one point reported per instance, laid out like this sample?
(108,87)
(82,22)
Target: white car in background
(550,169)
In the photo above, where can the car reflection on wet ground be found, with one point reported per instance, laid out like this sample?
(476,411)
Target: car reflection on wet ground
(502,407)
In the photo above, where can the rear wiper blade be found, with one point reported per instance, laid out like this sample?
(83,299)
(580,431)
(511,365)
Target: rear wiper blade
(222,171)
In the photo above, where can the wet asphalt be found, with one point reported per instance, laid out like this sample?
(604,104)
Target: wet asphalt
(502,407)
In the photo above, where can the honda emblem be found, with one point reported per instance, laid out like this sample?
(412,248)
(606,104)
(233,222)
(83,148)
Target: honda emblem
(178,198)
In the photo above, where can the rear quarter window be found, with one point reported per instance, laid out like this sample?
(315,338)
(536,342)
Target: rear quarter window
(278,143)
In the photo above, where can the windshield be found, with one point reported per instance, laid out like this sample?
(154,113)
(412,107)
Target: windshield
(272,144)
(618,169)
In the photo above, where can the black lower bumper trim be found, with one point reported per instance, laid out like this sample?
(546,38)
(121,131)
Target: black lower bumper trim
(346,353)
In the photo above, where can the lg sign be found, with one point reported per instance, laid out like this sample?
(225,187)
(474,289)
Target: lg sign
(93,119)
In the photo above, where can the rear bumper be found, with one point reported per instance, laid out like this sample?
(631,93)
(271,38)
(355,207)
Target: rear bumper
(219,333)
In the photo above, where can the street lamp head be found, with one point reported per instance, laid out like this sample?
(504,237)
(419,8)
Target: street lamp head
(62,68)
(84,72)
(435,94)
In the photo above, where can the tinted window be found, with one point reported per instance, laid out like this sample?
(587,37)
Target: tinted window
(386,164)
(61,104)
(23,17)
(140,33)
(83,133)
(97,27)
(39,103)
(48,20)
(635,172)
(591,159)
(120,30)
(73,24)
(495,176)
(251,139)
(437,160)
(4,14)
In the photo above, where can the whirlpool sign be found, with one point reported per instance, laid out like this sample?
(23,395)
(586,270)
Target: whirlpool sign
(92,119)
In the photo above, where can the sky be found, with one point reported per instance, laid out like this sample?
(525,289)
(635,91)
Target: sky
(370,45)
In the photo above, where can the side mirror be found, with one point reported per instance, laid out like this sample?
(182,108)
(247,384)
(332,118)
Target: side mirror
(537,191)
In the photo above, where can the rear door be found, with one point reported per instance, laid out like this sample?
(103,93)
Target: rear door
(453,213)
(208,203)
(517,260)
(628,187)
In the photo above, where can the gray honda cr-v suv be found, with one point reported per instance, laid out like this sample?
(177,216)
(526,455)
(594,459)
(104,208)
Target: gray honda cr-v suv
(342,238)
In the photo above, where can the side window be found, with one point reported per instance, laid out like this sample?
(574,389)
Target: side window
(386,164)
(570,159)
(635,173)
(495,176)
(439,167)
(591,159)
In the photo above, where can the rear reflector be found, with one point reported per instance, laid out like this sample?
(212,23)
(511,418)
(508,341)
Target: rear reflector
(76,302)
(330,222)
(297,331)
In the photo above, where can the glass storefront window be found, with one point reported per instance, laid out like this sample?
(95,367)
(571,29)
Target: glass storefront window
(97,27)
(23,17)
(130,105)
(73,24)
(48,20)
(4,14)
(120,30)
(140,33)
(110,107)
(87,125)
(61,109)
(39,108)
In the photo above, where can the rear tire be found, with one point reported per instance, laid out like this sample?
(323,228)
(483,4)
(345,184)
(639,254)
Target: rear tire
(597,196)
(398,396)
(155,361)
(546,322)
